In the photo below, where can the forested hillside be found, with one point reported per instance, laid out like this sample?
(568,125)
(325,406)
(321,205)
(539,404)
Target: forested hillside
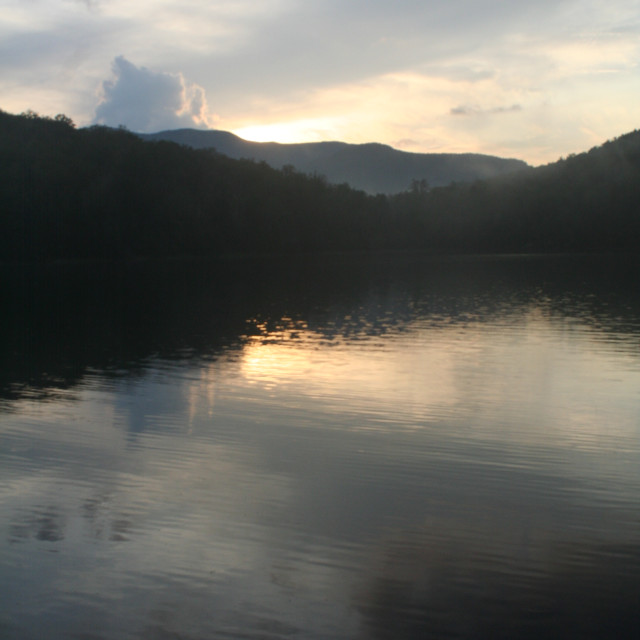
(101,193)
(586,202)
(104,193)
(374,168)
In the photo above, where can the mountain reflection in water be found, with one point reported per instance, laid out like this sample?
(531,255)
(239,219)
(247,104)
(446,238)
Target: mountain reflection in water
(322,448)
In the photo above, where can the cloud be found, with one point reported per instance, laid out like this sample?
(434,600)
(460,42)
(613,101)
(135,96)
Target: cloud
(146,101)
(91,5)
(466,110)
(404,143)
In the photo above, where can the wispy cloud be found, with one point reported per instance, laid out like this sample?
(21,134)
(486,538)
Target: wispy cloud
(466,110)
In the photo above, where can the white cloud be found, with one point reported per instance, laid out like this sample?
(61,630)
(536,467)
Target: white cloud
(146,101)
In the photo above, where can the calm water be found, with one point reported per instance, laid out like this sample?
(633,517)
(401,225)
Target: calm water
(334,449)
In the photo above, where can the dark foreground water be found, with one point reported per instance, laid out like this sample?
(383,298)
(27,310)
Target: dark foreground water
(332,449)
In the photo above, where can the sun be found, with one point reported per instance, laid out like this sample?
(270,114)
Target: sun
(315,130)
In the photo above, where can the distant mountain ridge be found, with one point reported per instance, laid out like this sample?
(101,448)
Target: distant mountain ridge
(371,167)
(100,193)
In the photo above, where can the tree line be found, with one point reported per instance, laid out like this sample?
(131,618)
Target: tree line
(103,193)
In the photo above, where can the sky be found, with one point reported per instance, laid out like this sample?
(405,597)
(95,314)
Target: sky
(515,78)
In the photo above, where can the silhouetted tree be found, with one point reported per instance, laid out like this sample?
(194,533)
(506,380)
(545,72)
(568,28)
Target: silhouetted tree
(105,193)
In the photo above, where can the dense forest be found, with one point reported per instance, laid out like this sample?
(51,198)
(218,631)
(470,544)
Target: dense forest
(102,193)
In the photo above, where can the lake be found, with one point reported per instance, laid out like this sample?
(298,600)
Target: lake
(329,448)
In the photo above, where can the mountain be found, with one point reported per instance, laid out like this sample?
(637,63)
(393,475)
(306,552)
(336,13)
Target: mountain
(101,193)
(585,202)
(373,167)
